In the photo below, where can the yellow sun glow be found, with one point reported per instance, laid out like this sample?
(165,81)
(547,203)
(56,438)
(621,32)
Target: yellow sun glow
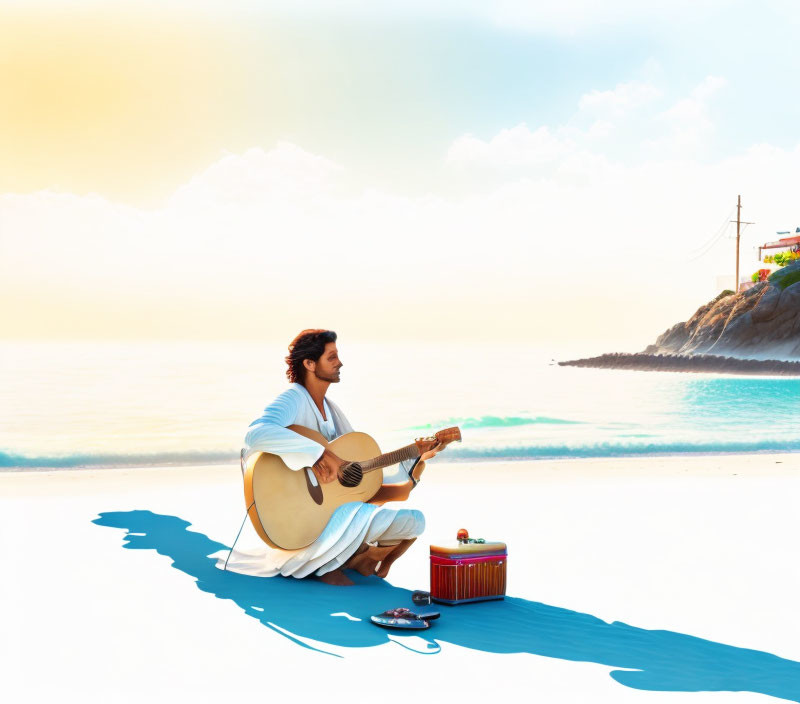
(129,105)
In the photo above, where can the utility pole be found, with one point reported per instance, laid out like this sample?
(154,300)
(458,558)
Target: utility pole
(738,235)
(739,224)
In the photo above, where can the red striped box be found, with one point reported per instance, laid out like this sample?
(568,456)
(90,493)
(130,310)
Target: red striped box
(468,571)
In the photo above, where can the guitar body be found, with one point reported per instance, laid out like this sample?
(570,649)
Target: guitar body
(290,509)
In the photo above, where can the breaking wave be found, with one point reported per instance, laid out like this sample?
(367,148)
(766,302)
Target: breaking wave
(495,422)
(21,461)
(12,461)
(600,450)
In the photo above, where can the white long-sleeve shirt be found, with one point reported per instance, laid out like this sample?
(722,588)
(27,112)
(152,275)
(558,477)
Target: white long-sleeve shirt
(270,433)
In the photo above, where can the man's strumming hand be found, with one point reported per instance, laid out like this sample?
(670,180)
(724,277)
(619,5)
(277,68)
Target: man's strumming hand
(327,467)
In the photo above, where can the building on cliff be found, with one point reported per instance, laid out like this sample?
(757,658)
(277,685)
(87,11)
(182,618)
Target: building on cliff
(788,245)
(785,244)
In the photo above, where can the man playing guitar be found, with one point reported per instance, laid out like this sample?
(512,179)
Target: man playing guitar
(313,365)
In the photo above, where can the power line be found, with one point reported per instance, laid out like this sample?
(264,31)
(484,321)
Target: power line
(714,239)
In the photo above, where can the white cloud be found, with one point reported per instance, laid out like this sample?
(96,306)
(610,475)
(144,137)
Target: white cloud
(623,123)
(514,146)
(687,122)
(708,87)
(694,108)
(562,251)
(257,175)
(620,100)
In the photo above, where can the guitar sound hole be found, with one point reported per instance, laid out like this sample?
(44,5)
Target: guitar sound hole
(351,474)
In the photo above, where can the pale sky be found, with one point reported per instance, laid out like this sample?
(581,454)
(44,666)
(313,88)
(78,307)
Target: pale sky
(403,170)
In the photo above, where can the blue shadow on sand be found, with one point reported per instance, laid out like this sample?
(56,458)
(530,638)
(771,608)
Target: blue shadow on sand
(650,660)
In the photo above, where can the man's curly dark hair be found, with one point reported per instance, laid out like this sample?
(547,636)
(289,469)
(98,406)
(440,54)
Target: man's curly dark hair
(309,344)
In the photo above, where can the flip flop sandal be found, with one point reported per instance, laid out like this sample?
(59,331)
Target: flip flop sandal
(400,618)
(402,612)
(420,597)
(399,612)
(414,624)
(429,615)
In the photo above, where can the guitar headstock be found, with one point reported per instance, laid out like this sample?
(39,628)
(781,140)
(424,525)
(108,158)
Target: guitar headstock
(443,437)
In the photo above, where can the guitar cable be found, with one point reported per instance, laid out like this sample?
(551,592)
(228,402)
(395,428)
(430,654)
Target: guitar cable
(230,552)
(414,482)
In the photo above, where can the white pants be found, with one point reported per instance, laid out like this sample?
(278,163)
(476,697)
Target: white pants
(351,526)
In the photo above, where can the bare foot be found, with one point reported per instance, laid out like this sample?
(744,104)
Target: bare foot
(337,578)
(363,564)
(366,561)
(388,561)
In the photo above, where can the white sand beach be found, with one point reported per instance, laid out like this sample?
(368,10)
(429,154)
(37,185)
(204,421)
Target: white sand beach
(682,571)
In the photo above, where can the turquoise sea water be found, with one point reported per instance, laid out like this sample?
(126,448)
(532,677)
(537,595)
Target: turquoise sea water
(154,403)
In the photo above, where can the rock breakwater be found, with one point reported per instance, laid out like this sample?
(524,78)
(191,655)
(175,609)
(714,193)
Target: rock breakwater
(704,363)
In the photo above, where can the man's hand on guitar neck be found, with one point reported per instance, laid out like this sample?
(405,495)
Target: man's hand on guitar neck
(432,452)
(419,468)
(327,467)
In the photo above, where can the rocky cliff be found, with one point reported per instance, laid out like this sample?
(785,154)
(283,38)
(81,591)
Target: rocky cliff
(760,323)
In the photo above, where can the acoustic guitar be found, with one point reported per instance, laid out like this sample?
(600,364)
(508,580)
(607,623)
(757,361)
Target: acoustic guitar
(290,508)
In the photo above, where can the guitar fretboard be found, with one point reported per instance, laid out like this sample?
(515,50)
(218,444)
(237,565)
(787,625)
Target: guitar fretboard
(404,453)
